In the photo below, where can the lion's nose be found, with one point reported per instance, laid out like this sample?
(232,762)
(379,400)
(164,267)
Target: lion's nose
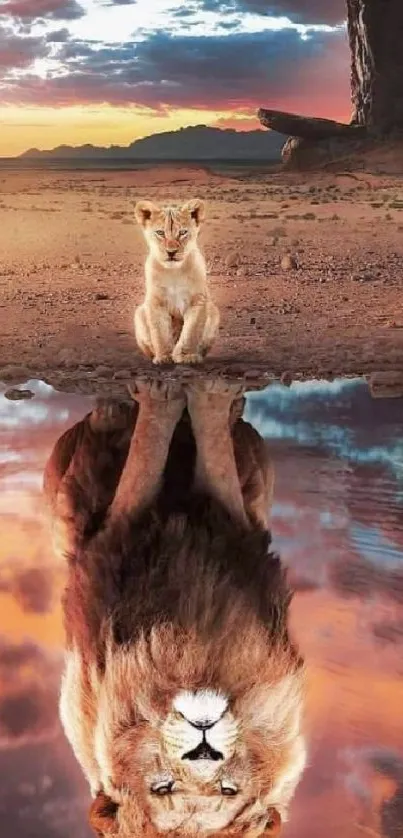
(202,725)
(201,708)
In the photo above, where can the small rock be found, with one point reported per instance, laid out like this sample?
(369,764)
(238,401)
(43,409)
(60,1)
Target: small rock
(15,395)
(100,296)
(14,373)
(232,260)
(289,262)
(252,321)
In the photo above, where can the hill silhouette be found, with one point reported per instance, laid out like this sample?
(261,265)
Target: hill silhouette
(198,142)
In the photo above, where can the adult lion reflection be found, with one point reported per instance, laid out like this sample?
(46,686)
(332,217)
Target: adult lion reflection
(182,693)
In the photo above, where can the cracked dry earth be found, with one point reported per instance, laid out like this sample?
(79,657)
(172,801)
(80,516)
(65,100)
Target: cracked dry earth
(307,269)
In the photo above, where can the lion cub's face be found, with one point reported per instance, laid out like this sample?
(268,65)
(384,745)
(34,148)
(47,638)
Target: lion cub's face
(171,233)
(205,767)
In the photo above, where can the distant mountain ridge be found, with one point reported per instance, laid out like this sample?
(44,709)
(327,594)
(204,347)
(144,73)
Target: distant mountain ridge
(198,142)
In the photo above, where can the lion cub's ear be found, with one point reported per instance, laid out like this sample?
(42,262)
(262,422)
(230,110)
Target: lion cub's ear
(197,210)
(273,825)
(103,816)
(144,210)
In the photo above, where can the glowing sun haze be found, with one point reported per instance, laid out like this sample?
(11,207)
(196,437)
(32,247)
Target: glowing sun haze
(110,71)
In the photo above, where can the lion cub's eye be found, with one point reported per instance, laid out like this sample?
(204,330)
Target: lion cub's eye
(229,789)
(160,234)
(162,787)
(182,234)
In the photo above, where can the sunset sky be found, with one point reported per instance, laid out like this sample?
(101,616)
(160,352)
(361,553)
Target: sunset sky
(110,71)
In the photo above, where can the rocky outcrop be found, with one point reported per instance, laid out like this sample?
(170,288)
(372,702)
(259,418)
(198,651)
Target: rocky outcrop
(302,154)
(314,142)
(307,127)
(375,30)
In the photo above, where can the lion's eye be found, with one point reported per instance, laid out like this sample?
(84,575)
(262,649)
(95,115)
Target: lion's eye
(160,234)
(162,787)
(183,233)
(229,789)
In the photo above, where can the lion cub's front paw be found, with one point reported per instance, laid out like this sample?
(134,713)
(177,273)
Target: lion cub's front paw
(163,359)
(182,356)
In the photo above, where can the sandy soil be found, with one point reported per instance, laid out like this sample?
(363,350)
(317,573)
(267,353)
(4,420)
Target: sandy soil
(71,270)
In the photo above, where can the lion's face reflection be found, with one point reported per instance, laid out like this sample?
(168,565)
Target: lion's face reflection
(203,763)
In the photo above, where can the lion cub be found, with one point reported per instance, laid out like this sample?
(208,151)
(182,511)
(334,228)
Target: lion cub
(177,321)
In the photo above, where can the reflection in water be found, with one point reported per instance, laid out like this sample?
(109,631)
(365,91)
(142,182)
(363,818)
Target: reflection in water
(181,680)
(337,522)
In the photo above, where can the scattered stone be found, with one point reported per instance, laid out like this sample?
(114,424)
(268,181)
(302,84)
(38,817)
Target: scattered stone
(15,395)
(100,296)
(252,321)
(232,260)
(14,374)
(289,262)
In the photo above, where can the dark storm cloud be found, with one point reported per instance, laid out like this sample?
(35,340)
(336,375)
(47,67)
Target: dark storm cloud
(29,713)
(361,578)
(32,588)
(238,70)
(13,657)
(28,701)
(19,50)
(42,792)
(388,631)
(60,36)
(331,12)
(36,9)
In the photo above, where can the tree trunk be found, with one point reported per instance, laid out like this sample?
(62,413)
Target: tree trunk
(376,43)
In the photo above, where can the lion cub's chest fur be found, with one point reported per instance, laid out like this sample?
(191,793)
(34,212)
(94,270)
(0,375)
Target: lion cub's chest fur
(176,288)
(177,299)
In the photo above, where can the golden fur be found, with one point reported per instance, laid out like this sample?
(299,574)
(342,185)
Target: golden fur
(182,598)
(178,320)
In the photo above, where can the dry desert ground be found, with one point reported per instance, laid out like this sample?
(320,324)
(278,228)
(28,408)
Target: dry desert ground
(307,269)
